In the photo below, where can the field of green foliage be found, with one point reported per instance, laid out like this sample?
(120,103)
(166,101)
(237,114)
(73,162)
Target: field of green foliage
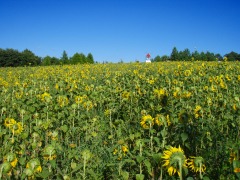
(169,120)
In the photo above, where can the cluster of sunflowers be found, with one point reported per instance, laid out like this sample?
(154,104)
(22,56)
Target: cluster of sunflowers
(120,121)
(9,162)
(175,161)
(148,121)
(15,127)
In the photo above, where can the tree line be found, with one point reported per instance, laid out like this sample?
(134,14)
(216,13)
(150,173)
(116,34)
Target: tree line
(186,55)
(14,58)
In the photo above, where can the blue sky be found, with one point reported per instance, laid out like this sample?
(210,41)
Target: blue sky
(114,30)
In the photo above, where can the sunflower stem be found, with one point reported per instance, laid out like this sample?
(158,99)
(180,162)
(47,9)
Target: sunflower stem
(110,123)
(84,167)
(200,171)
(180,168)
(1,171)
(160,178)
(140,167)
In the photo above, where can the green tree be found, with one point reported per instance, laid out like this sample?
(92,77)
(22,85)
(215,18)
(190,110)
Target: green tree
(233,56)
(165,58)
(2,57)
(184,55)
(54,60)
(196,55)
(83,58)
(90,58)
(157,59)
(203,56)
(218,57)
(76,58)
(210,56)
(10,57)
(187,55)
(64,59)
(174,55)
(46,61)
(29,58)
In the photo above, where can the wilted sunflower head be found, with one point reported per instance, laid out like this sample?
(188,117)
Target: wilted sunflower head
(174,159)
(196,164)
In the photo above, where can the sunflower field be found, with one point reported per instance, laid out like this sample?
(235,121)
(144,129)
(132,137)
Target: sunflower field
(168,120)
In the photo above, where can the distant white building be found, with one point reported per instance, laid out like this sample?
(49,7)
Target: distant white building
(148,56)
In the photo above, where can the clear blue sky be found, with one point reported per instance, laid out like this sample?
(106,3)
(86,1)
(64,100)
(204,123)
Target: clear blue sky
(114,30)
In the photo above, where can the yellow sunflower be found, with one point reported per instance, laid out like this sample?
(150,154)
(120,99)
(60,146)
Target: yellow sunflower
(49,152)
(237,170)
(162,120)
(48,157)
(88,105)
(234,107)
(159,119)
(196,164)
(233,156)
(187,72)
(9,122)
(115,151)
(17,128)
(32,167)
(197,111)
(147,121)
(124,149)
(11,158)
(174,160)
(45,97)
(62,101)
(159,92)
(80,99)
(14,162)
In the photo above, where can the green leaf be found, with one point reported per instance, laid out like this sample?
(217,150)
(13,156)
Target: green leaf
(32,109)
(164,133)
(139,177)
(206,178)
(190,178)
(26,117)
(22,160)
(73,165)
(45,173)
(139,159)
(53,163)
(157,157)
(24,135)
(157,140)
(148,165)
(132,137)
(236,164)
(184,137)
(129,161)
(64,128)
(187,145)
(125,175)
